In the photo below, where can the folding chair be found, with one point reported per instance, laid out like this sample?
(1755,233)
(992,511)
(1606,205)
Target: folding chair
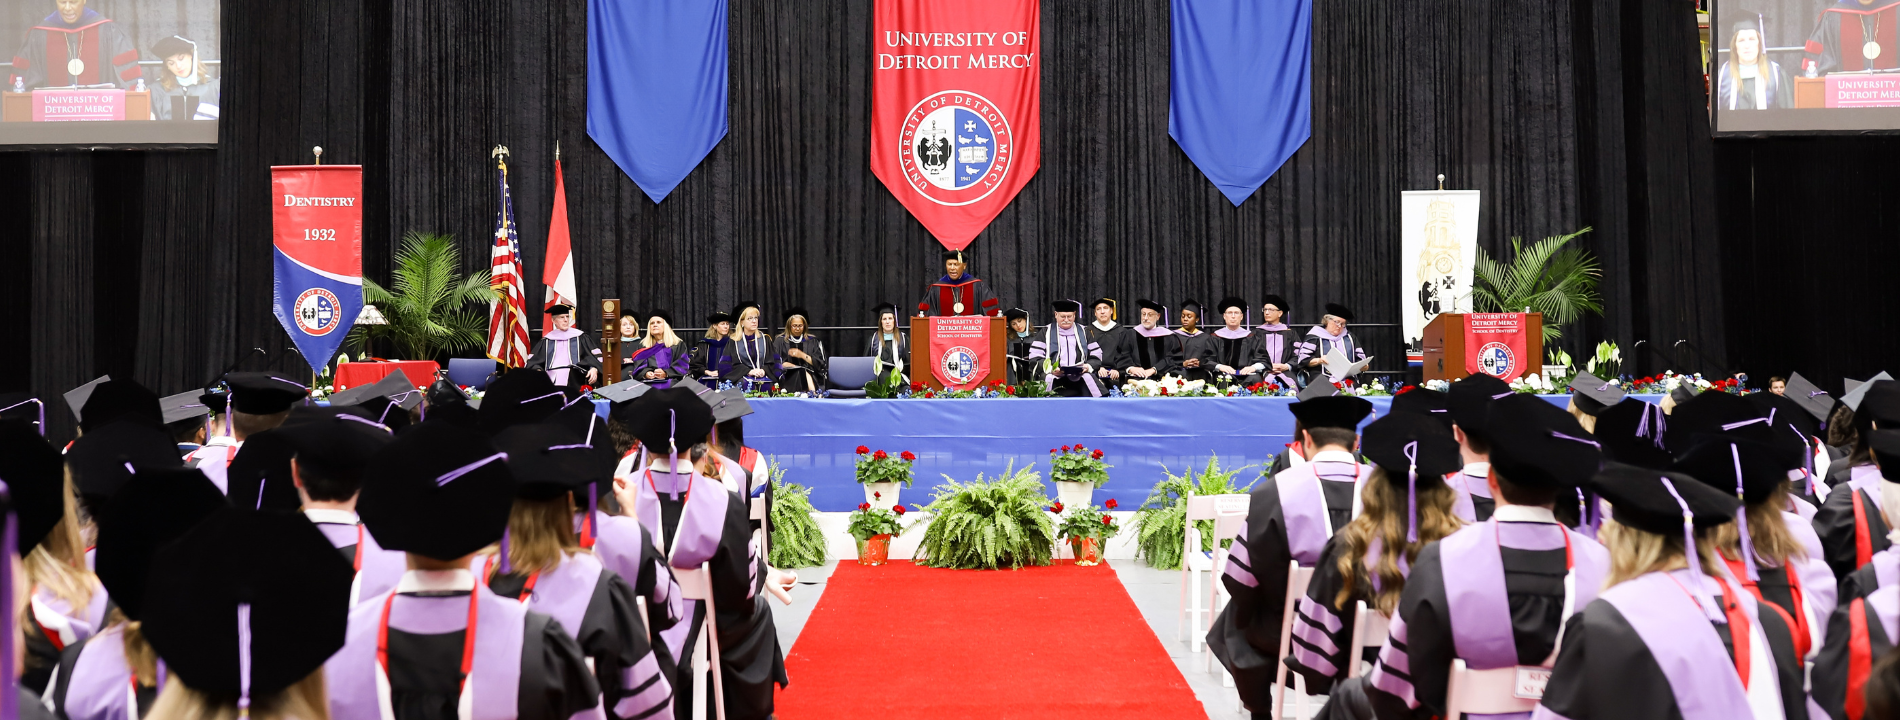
(1230,511)
(1297,578)
(641,601)
(1369,629)
(760,512)
(1194,562)
(696,584)
(1487,692)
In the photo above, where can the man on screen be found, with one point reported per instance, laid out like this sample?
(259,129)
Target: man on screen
(1748,80)
(1855,35)
(75,46)
(958,292)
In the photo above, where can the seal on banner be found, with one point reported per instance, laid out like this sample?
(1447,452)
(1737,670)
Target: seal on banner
(955,147)
(316,311)
(958,365)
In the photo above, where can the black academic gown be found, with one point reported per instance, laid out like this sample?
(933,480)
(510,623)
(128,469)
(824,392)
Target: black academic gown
(611,634)
(1237,353)
(804,375)
(1110,341)
(1161,354)
(758,352)
(1324,591)
(582,350)
(714,356)
(892,352)
(748,640)
(425,678)
(966,295)
(1021,368)
(1841,529)
(31,706)
(1194,347)
(1855,640)
(1841,39)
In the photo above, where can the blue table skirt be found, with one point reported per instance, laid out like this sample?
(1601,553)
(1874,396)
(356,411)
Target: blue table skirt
(815,440)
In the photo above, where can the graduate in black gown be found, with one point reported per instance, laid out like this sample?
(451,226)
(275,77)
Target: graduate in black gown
(1469,402)
(29,705)
(713,359)
(1850,522)
(802,362)
(755,356)
(1407,505)
(243,610)
(331,447)
(36,504)
(1671,635)
(1191,342)
(441,493)
(696,522)
(889,347)
(1494,594)
(1289,519)
(1107,332)
(1234,350)
(1149,350)
(1016,345)
(1864,628)
(542,563)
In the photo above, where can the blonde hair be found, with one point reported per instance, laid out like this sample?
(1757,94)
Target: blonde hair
(738,324)
(308,699)
(1635,553)
(541,534)
(140,657)
(1767,531)
(58,564)
(170,81)
(1588,421)
(646,336)
(1384,517)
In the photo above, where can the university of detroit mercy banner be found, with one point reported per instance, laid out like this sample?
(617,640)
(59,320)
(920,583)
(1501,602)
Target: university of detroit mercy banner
(1495,345)
(956,112)
(960,351)
(317,234)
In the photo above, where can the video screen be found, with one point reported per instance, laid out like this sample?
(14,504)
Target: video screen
(109,72)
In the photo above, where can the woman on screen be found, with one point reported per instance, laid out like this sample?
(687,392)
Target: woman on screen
(186,91)
(1749,80)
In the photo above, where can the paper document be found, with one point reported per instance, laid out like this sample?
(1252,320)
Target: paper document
(1339,368)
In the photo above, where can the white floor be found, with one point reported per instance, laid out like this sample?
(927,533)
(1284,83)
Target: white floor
(1156,594)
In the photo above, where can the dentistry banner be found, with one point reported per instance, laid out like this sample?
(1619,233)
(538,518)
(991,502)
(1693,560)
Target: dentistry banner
(317,235)
(956,112)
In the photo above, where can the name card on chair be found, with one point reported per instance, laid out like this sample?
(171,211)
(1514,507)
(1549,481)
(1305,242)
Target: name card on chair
(1530,682)
(1231,504)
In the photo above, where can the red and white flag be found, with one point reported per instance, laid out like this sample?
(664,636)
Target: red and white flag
(508,314)
(557,269)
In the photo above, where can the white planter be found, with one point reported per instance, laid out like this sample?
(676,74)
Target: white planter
(882,495)
(1075,494)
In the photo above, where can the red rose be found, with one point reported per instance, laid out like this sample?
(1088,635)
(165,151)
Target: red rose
(898,508)
(880,455)
(907,456)
(862,450)
(864,506)
(1057,507)
(1111,504)
(1097,454)
(877,496)
(1065,448)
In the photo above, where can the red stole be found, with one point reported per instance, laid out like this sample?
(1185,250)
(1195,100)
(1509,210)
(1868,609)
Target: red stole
(56,57)
(1854,36)
(949,295)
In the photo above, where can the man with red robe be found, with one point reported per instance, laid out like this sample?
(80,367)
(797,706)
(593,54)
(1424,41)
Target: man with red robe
(75,46)
(1853,36)
(958,292)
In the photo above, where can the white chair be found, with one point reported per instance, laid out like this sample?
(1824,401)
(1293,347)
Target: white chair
(696,584)
(1488,692)
(1297,578)
(641,601)
(1227,522)
(760,511)
(1369,629)
(1194,562)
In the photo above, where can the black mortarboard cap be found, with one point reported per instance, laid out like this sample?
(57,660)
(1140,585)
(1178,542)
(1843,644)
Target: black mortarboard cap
(1714,459)
(548,461)
(1193,306)
(1631,433)
(1640,500)
(1319,388)
(956,255)
(1881,403)
(21,406)
(1016,314)
(738,310)
(623,391)
(1716,413)
(214,398)
(1146,304)
(448,404)
(1115,308)
(332,439)
(1468,399)
(1684,392)
(674,413)
(438,491)
(698,390)
(259,476)
(1785,411)
(718,317)
(1885,445)
(1344,411)
(155,508)
(98,458)
(172,45)
(115,400)
(1339,311)
(1068,306)
(188,405)
(1748,20)
(1230,302)
(1812,399)
(559,309)
(1386,439)
(883,307)
(729,405)
(519,397)
(1424,401)
(664,315)
(76,397)
(1276,301)
(394,387)
(1534,443)
(270,581)
(32,471)
(1592,394)
(795,311)
(264,393)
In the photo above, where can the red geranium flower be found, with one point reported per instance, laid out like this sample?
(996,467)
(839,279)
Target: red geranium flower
(864,506)
(1106,520)
(1111,504)
(1057,507)
(877,496)
(880,455)
(1164,391)
(929,394)
(916,387)
(907,456)
(1078,446)
(1052,451)
(898,508)
(862,450)
(1011,389)
(1097,454)
(1065,448)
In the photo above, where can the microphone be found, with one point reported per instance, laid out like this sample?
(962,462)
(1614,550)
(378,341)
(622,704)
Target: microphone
(1658,351)
(234,365)
(1705,358)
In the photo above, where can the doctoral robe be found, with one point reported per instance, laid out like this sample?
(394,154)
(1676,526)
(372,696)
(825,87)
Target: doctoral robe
(1194,347)
(671,360)
(377,569)
(755,352)
(1068,361)
(1021,368)
(57,625)
(1883,570)
(805,375)
(105,53)
(712,362)
(1110,339)
(1156,348)
(965,295)
(624,546)
(1839,40)
(1861,632)
(1316,344)
(598,609)
(1238,349)
(1277,342)
(1849,522)
(1473,484)
(554,352)
(94,681)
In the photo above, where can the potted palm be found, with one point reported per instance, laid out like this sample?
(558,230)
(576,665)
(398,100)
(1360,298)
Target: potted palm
(883,474)
(1087,530)
(429,307)
(873,528)
(1077,472)
(1551,276)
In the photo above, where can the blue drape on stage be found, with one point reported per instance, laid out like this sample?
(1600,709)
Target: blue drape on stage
(1240,90)
(656,86)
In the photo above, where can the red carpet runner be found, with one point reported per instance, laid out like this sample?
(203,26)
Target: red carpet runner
(902,641)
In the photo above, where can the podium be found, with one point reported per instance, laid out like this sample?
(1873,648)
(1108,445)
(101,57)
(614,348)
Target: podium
(1444,342)
(922,365)
(123,104)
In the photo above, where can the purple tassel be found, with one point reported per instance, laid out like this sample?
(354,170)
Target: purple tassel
(1700,591)
(1741,518)
(1411,492)
(244,660)
(507,568)
(673,451)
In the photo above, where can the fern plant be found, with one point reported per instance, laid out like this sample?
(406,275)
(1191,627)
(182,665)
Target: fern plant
(1161,521)
(796,540)
(430,306)
(981,525)
(1551,277)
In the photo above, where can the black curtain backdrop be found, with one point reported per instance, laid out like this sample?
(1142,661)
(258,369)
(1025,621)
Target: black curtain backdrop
(1565,114)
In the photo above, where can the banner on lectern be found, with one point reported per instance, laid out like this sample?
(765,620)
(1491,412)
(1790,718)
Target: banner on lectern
(317,255)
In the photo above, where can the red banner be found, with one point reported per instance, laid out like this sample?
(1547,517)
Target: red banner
(957,105)
(1495,345)
(317,230)
(960,351)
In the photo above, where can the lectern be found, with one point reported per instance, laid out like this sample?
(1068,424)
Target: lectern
(923,366)
(1445,346)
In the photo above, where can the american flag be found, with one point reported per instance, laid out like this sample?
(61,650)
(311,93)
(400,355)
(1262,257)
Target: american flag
(508,315)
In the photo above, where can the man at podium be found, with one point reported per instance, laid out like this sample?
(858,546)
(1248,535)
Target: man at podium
(75,46)
(958,292)
(1854,35)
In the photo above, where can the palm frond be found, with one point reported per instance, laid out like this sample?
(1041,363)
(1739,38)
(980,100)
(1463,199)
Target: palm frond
(1550,276)
(428,302)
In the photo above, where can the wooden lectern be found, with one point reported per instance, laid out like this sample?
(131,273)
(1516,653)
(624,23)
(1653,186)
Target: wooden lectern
(921,364)
(1444,343)
(610,341)
(18,107)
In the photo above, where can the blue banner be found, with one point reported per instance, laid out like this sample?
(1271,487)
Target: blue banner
(656,86)
(1240,92)
(317,257)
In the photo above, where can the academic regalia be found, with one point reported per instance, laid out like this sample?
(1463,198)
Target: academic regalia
(377,569)
(93,680)
(1317,343)
(1021,368)
(1472,484)
(625,547)
(104,51)
(555,350)
(1850,523)
(201,98)
(1194,347)
(806,375)
(1839,40)
(1770,90)
(1068,369)
(1239,349)
(711,360)
(1289,519)
(1156,348)
(967,295)
(1110,339)
(1277,343)
(1862,631)
(36,497)
(752,352)
(891,352)
(669,359)
(386,402)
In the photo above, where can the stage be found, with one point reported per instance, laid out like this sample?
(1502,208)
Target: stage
(814,440)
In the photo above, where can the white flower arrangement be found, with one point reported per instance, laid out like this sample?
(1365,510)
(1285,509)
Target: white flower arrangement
(1532,383)
(1439,385)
